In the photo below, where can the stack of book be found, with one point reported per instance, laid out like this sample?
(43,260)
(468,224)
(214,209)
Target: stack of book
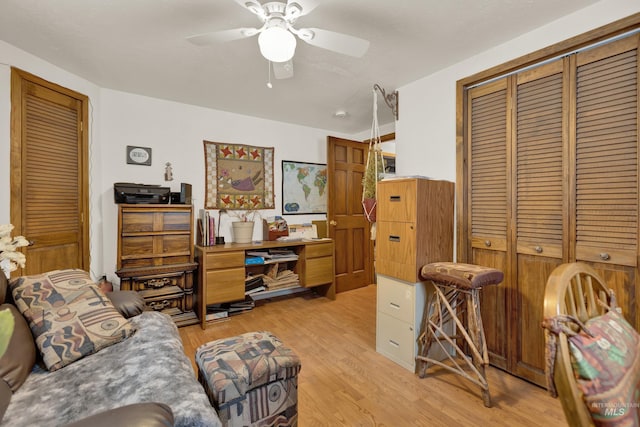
(230,308)
(215,312)
(253,260)
(206,228)
(238,307)
(277,278)
(253,284)
(274,255)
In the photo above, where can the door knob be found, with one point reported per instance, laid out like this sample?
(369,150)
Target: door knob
(333,222)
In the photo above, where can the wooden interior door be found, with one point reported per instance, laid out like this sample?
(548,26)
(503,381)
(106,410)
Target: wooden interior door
(49,173)
(347,225)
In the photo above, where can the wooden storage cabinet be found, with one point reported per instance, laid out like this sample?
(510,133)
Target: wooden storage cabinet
(151,237)
(414,228)
(415,225)
(155,257)
(222,270)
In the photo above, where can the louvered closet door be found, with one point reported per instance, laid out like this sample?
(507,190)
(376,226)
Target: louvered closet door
(51,197)
(540,202)
(606,163)
(488,190)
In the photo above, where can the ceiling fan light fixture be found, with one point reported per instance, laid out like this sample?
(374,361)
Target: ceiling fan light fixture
(277,44)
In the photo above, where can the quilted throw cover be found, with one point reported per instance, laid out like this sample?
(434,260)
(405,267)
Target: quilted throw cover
(238,176)
(150,366)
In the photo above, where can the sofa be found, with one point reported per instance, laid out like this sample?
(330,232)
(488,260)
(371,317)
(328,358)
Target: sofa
(141,376)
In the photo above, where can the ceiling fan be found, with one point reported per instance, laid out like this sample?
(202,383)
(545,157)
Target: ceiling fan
(276,37)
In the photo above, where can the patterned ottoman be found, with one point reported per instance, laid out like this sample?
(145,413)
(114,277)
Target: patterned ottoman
(251,379)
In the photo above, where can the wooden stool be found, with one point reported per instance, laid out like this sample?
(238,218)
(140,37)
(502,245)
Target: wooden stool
(457,290)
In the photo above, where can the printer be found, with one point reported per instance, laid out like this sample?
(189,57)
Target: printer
(128,192)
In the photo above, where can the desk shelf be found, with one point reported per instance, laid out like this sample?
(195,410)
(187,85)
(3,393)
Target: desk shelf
(222,271)
(257,296)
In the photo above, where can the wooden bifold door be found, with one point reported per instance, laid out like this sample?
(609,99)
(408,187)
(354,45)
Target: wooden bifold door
(549,174)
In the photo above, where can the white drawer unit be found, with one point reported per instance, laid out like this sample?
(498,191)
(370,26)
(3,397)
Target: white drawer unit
(397,298)
(399,316)
(400,307)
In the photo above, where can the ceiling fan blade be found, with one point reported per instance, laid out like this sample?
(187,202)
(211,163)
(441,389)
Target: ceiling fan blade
(253,6)
(341,43)
(296,8)
(222,36)
(282,70)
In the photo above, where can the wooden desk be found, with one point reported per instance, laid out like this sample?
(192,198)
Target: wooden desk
(222,271)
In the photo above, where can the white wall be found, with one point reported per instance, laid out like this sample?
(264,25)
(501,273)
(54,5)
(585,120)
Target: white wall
(175,133)
(366,134)
(426,133)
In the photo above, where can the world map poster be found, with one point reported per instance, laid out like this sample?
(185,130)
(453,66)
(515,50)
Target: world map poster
(304,188)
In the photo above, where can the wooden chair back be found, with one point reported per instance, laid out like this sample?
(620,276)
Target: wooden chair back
(573,289)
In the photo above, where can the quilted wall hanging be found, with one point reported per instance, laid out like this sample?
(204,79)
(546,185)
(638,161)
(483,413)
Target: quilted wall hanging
(238,176)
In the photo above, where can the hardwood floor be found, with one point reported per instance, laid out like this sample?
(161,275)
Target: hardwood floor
(344,382)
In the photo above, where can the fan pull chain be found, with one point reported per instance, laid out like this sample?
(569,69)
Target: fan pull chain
(269,85)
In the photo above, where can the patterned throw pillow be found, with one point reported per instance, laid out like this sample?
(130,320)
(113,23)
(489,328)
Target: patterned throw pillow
(607,369)
(69,316)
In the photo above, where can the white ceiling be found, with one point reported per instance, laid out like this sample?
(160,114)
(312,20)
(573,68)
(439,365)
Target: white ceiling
(139,46)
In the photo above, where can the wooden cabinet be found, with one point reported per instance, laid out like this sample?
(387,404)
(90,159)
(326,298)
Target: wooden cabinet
(222,271)
(414,227)
(550,175)
(155,257)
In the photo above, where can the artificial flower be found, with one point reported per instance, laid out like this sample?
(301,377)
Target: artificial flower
(9,246)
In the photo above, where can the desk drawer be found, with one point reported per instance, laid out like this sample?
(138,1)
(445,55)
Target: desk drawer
(318,271)
(224,285)
(319,250)
(224,259)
